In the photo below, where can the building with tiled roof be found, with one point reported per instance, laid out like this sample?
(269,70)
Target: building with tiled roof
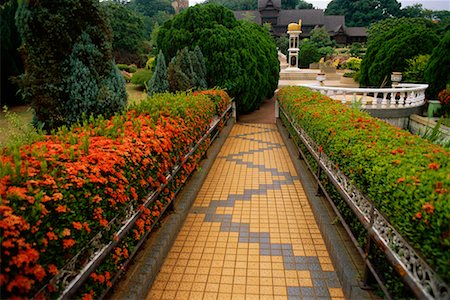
(269,11)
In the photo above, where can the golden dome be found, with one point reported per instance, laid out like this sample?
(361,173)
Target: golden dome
(294,27)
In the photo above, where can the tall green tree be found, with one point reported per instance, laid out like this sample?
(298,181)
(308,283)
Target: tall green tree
(391,43)
(236,4)
(128,32)
(364,12)
(151,8)
(69,64)
(11,63)
(241,56)
(296,4)
(159,82)
(437,72)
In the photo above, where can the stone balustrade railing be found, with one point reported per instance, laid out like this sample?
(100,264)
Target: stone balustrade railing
(404,95)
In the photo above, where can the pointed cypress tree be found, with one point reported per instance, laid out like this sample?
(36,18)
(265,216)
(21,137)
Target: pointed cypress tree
(199,66)
(159,83)
(180,72)
(69,68)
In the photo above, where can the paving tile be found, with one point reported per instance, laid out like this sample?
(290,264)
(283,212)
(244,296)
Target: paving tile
(251,232)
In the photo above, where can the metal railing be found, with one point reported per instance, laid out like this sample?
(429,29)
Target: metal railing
(411,267)
(404,95)
(71,278)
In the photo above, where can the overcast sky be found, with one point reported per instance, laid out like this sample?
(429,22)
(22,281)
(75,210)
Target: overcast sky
(429,4)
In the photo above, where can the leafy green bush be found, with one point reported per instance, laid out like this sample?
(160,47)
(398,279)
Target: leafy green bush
(405,176)
(437,73)
(353,63)
(391,43)
(132,68)
(416,68)
(141,77)
(241,56)
(69,65)
(123,67)
(308,54)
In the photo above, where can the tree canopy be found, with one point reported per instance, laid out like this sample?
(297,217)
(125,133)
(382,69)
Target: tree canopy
(69,65)
(128,33)
(391,43)
(11,63)
(437,72)
(364,12)
(240,56)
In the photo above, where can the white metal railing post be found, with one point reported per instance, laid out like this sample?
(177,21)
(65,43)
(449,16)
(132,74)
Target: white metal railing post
(401,96)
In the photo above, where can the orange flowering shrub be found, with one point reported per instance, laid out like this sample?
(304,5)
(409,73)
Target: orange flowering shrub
(407,178)
(59,194)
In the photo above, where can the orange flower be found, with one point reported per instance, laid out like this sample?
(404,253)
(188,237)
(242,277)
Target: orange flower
(86,227)
(52,236)
(61,209)
(400,180)
(66,232)
(68,243)
(429,208)
(433,166)
(52,269)
(418,215)
(77,225)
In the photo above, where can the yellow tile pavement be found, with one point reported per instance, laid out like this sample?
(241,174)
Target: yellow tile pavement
(251,233)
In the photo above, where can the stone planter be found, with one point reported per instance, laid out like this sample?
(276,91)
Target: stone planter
(433,107)
(347,80)
(421,125)
(314,66)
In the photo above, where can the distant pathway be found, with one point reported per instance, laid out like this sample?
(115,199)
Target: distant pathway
(251,233)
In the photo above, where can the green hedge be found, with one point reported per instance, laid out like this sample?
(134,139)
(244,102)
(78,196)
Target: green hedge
(406,177)
(58,193)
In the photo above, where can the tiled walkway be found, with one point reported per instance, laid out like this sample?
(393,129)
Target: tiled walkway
(251,233)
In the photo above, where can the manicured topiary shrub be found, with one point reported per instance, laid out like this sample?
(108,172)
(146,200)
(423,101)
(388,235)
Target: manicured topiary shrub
(406,177)
(69,65)
(240,56)
(391,43)
(437,72)
(60,194)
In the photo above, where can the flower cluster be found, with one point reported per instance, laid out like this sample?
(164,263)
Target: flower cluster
(444,99)
(405,176)
(58,194)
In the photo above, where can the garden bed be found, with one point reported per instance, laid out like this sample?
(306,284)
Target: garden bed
(96,191)
(404,178)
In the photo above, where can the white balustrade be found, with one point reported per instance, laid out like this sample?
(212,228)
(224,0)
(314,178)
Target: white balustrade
(404,95)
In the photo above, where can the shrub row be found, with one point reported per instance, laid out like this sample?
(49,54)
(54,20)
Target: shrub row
(406,177)
(59,193)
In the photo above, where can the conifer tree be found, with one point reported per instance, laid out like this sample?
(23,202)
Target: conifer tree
(159,83)
(69,68)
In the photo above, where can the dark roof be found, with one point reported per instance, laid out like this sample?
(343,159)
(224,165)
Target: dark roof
(333,23)
(356,31)
(308,16)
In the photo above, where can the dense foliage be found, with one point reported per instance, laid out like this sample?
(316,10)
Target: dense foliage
(59,193)
(308,53)
(128,33)
(405,176)
(11,63)
(69,65)
(437,72)
(236,4)
(364,12)
(391,43)
(158,83)
(187,70)
(240,56)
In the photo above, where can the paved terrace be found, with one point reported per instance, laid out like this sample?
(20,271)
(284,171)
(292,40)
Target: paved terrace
(251,232)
